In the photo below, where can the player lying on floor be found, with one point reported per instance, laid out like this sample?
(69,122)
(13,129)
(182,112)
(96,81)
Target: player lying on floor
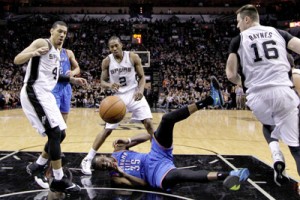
(156,168)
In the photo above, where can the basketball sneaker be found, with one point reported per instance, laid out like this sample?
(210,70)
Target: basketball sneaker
(64,185)
(280,176)
(34,169)
(235,178)
(86,166)
(87,184)
(216,92)
(42,180)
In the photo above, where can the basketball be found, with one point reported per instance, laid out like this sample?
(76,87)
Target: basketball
(112,109)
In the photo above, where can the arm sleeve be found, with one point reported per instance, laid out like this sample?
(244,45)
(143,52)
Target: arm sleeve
(286,35)
(234,44)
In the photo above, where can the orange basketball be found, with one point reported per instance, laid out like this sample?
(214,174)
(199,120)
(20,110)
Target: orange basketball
(112,109)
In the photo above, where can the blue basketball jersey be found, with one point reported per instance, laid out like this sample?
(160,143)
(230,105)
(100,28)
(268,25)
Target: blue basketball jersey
(63,90)
(151,167)
(131,162)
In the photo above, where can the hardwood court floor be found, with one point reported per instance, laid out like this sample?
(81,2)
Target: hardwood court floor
(225,132)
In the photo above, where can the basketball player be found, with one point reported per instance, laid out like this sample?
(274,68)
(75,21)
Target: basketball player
(63,90)
(63,94)
(157,169)
(261,52)
(39,105)
(119,70)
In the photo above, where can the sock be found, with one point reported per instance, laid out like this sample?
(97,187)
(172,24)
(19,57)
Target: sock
(58,173)
(91,154)
(41,160)
(274,146)
(204,103)
(222,175)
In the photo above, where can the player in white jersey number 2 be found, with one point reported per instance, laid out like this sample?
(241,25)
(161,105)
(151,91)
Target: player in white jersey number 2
(119,70)
(39,104)
(261,52)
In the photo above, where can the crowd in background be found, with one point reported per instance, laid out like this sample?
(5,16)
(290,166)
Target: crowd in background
(186,54)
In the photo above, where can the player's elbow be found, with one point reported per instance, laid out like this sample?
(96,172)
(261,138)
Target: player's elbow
(17,61)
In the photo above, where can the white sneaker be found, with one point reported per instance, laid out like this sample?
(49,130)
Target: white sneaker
(280,176)
(86,166)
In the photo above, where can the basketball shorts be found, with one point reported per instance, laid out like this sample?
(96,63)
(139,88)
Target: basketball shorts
(63,94)
(277,106)
(158,163)
(140,109)
(40,108)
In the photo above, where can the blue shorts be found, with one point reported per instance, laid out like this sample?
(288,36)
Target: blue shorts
(158,163)
(63,95)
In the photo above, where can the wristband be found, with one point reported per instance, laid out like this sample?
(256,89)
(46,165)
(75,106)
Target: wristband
(129,140)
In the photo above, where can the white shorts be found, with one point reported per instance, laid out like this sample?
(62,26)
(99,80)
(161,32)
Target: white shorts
(41,109)
(140,109)
(277,106)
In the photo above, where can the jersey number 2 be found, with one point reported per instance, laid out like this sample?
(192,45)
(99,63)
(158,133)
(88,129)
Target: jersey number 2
(270,52)
(122,81)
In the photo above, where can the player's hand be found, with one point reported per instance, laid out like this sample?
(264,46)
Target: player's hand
(79,81)
(120,142)
(120,171)
(41,51)
(138,96)
(115,87)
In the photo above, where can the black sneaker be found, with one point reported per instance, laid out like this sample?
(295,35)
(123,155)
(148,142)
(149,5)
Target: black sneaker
(280,177)
(64,185)
(34,169)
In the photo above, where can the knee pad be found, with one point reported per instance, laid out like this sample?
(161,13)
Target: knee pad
(54,133)
(62,135)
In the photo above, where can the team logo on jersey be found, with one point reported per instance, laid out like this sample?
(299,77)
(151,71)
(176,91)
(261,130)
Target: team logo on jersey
(123,69)
(54,56)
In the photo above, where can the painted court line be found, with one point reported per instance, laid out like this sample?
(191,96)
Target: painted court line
(102,188)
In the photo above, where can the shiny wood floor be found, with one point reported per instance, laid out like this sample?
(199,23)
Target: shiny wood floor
(227,132)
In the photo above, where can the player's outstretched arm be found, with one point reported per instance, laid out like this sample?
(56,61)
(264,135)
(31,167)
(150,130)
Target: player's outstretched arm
(122,144)
(36,48)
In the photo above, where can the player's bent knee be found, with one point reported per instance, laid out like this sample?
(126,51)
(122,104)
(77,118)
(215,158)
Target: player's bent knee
(54,133)
(62,136)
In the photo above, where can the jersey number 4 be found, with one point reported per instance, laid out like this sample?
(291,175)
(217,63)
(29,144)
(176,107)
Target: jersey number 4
(54,72)
(269,50)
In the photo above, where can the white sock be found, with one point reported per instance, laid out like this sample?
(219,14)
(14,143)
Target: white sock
(274,146)
(91,154)
(41,160)
(58,173)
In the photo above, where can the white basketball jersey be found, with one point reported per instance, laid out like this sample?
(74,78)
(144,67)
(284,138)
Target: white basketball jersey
(122,73)
(43,71)
(263,57)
